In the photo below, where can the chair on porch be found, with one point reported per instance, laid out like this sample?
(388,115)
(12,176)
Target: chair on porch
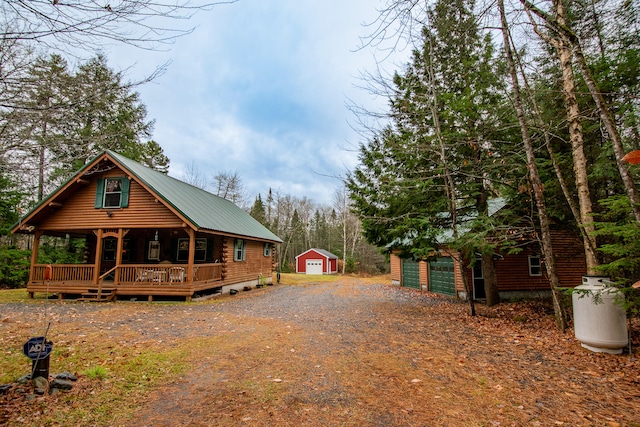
(176,274)
(141,275)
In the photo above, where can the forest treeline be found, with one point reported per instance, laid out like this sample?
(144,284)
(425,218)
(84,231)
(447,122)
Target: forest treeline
(535,103)
(58,111)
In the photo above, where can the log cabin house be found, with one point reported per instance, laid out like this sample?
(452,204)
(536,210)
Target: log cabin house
(146,234)
(518,275)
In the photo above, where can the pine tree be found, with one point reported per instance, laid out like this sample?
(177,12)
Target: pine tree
(258,211)
(444,151)
(45,93)
(106,114)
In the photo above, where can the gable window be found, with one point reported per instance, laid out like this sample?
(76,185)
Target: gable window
(239,250)
(535,265)
(267,249)
(112,193)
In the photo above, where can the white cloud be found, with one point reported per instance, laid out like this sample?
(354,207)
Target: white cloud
(260,87)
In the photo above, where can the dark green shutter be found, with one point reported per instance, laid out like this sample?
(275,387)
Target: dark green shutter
(99,193)
(124,196)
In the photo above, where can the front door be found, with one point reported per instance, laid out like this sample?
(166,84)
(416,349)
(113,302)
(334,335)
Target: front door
(478,280)
(108,258)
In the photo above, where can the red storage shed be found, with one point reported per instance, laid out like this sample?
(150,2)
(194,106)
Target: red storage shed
(316,261)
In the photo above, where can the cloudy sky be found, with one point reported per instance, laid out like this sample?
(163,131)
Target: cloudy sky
(261,88)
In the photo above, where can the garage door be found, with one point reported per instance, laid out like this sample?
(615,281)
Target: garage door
(410,274)
(441,276)
(314,266)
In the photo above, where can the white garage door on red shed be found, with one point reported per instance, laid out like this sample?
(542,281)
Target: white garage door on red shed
(316,261)
(314,266)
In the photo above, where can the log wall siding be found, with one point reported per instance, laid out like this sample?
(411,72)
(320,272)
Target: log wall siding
(255,263)
(570,258)
(78,212)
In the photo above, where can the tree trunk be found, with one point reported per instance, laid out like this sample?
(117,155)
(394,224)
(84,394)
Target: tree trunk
(547,248)
(449,184)
(612,130)
(605,113)
(467,287)
(577,145)
(490,280)
(344,242)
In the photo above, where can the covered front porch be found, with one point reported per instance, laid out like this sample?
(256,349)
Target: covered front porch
(133,279)
(130,262)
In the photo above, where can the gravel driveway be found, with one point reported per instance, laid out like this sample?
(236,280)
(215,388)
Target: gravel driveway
(357,353)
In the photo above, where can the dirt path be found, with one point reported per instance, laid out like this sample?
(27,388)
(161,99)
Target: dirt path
(356,354)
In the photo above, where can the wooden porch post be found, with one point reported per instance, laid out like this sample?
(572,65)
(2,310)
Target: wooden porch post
(119,246)
(34,256)
(192,253)
(96,271)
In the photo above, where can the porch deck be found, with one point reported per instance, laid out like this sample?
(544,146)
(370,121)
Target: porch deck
(131,279)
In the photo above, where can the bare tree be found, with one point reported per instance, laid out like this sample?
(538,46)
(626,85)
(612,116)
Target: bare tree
(557,24)
(341,205)
(68,24)
(534,176)
(193,176)
(229,186)
(576,135)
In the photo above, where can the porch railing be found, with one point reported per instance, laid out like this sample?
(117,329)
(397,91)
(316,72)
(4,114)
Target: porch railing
(129,274)
(203,272)
(63,273)
(166,274)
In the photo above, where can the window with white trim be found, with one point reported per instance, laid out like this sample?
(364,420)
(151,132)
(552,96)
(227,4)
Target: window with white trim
(267,249)
(535,265)
(112,193)
(239,250)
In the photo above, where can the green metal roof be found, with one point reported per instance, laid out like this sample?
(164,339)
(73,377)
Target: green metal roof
(203,209)
(446,235)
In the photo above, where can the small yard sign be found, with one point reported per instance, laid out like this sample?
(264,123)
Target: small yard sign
(37,348)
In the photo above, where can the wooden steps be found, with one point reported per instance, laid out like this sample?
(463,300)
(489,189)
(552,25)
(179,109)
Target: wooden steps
(91,295)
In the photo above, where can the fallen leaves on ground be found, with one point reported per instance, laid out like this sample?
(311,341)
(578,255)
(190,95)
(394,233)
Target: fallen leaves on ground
(350,352)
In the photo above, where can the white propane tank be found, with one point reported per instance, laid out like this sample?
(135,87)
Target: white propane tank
(600,322)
